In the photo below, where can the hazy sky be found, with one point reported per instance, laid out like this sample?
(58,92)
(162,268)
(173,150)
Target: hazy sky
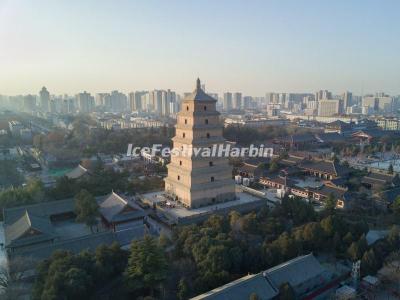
(249,46)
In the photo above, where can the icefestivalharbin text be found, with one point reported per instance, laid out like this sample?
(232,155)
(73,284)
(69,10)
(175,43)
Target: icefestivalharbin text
(217,150)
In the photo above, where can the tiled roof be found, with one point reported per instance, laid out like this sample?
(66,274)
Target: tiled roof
(75,245)
(266,285)
(77,172)
(112,209)
(327,190)
(40,209)
(295,271)
(17,234)
(241,289)
(323,166)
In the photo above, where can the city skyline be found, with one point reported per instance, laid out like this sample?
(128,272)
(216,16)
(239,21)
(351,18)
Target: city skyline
(258,47)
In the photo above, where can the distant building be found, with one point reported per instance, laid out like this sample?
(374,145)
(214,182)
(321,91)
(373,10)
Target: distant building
(228,102)
(247,102)
(379,103)
(85,102)
(323,95)
(135,100)
(388,123)
(102,99)
(237,100)
(117,103)
(329,107)
(29,103)
(44,100)
(347,100)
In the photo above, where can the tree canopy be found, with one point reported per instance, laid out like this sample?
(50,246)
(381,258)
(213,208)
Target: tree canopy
(86,208)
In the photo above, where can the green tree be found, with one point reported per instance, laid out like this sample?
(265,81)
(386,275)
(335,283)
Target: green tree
(86,209)
(330,203)
(396,206)
(147,266)
(109,261)
(183,289)
(327,225)
(394,237)
(273,167)
(65,276)
(348,238)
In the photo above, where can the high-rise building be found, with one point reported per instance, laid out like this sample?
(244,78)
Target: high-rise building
(247,102)
(323,94)
(379,103)
(227,105)
(347,100)
(155,101)
(168,102)
(237,100)
(85,102)
(117,103)
(272,98)
(328,107)
(135,100)
(102,99)
(145,102)
(198,180)
(44,100)
(29,103)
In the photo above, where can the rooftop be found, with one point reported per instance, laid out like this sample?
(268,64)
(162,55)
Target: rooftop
(295,271)
(116,208)
(77,172)
(28,229)
(241,289)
